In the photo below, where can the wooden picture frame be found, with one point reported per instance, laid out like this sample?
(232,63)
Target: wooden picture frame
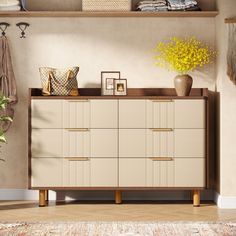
(120,87)
(107,81)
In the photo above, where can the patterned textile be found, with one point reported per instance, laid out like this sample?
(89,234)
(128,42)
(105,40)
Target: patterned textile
(59,81)
(119,228)
(7,81)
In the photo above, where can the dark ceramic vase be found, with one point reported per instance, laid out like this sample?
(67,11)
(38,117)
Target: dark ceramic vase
(183,84)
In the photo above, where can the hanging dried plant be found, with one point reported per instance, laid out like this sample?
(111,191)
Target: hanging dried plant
(231,56)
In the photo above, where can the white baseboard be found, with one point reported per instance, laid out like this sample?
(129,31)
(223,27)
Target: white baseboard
(225,202)
(32,195)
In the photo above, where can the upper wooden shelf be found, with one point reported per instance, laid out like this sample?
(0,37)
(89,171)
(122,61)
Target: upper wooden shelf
(107,14)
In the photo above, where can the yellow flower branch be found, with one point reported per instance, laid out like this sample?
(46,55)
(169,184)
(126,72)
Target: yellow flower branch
(183,55)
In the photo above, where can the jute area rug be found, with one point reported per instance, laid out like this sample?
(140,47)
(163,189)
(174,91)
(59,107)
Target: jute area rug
(119,229)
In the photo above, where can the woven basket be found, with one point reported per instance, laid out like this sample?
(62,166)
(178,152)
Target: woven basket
(106,5)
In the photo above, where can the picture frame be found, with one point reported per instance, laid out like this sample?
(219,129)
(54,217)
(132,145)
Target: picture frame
(107,82)
(120,87)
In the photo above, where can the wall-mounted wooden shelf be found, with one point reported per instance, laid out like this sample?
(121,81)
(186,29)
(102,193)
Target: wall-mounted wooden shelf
(107,14)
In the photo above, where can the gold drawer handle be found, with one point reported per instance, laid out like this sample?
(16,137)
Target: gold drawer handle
(78,130)
(161,158)
(77,158)
(162,129)
(79,100)
(162,100)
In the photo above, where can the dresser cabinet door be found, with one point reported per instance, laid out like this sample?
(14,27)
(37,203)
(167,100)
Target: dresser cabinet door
(190,114)
(104,172)
(76,113)
(189,143)
(160,172)
(46,172)
(160,114)
(46,142)
(93,113)
(132,172)
(132,143)
(189,172)
(160,143)
(104,113)
(76,143)
(46,113)
(132,113)
(76,172)
(104,143)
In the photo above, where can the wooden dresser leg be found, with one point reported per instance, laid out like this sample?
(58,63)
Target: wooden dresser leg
(42,198)
(46,196)
(118,197)
(196,198)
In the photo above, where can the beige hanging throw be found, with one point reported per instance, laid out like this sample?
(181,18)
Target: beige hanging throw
(231,56)
(7,80)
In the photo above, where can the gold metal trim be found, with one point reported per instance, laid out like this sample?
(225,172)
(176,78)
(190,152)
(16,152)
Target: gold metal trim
(78,129)
(77,158)
(162,129)
(161,158)
(79,100)
(162,100)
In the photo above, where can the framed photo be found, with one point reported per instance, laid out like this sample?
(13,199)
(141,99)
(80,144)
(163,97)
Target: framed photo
(120,87)
(107,81)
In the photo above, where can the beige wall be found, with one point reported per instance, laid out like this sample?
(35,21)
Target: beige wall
(227,104)
(95,44)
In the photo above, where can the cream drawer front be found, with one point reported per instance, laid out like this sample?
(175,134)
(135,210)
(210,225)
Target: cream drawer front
(190,114)
(104,113)
(104,142)
(76,172)
(132,143)
(104,172)
(160,114)
(46,172)
(90,172)
(76,143)
(76,113)
(46,142)
(132,113)
(160,173)
(189,143)
(46,113)
(132,172)
(160,143)
(189,172)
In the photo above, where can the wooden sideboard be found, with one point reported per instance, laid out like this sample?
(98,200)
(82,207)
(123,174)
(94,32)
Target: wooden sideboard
(148,140)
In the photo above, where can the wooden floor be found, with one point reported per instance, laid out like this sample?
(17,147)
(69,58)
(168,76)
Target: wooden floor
(108,211)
